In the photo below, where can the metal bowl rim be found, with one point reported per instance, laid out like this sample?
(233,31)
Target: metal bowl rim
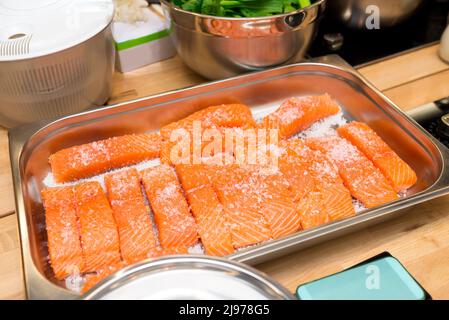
(318,3)
(171,263)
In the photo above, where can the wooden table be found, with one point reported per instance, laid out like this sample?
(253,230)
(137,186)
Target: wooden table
(419,238)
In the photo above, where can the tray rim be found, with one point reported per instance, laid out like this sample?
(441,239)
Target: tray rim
(19,137)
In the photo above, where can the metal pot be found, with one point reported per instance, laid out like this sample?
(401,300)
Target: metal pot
(354,13)
(56,58)
(218,47)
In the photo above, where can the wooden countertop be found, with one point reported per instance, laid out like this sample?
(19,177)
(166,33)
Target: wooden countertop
(419,238)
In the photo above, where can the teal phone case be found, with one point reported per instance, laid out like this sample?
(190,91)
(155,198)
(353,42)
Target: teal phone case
(382,278)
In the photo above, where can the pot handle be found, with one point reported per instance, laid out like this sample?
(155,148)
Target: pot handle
(296,19)
(303,17)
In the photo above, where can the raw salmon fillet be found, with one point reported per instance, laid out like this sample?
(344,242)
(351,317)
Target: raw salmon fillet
(225,115)
(61,219)
(318,191)
(397,171)
(297,114)
(296,166)
(365,182)
(248,226)
(206,208)
(131,215)
(99,236)
(326,180)
(257,203)
(174,221)
(296,169)
(97,157)
(277,204)
(313,210)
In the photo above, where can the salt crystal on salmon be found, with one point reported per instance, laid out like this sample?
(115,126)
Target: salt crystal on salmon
(276,201)
(365,182)
(295,164)
(257,203)
(63,233)
(175,224)
(313,210)
(296,170)
(90,159)
(99,236)
(299,113)
(397,171)
(131,215)
(206,208)
(247,225)
(326,180)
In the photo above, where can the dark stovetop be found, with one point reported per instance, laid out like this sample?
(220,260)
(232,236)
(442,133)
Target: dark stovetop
(360,47)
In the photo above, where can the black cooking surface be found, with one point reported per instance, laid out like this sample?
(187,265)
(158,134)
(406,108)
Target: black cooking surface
(433,127)
(362,46)
(434,117)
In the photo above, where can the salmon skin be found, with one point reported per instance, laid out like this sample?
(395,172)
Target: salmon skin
(131,215)
(99,236)
(206,208)
(365,182)
(298,114)
(396,170)
(174,221)
(325,196)
(63,233)
(97,157)
(225,115)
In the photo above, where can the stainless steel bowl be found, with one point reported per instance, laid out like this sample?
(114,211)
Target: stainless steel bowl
(218,47)
(188,277)
(353,13)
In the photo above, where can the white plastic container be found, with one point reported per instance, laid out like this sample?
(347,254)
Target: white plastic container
(143,42)
(56,58)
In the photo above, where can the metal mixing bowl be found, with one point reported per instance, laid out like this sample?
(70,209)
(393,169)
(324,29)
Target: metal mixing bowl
(353,13)
(218,47)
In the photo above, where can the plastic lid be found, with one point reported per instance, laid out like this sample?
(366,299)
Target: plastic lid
(32,28)
(188,277)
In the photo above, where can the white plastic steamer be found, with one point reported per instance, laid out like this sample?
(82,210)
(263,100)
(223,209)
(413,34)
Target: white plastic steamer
(56,58)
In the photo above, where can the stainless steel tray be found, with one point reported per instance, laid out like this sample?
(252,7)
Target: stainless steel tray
(30,147)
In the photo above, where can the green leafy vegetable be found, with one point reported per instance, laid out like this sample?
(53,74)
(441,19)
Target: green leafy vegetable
(192,5)
(241,8)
